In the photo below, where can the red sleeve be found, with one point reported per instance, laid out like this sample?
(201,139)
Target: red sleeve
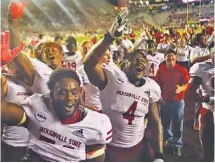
(185,75)
(157,76)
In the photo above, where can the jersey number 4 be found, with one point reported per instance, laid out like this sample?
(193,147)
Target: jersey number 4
(129,114)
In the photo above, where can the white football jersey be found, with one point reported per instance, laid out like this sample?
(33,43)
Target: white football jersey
(15,136)
(183,54)
(54,141)
(154,62)
(206,72)
(72,62)
(42,74)
(198,52)
(126,105)
(128,44)
(162,47)
(92,97)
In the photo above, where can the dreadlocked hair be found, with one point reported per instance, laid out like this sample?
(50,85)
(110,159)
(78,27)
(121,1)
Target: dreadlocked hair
(121,64)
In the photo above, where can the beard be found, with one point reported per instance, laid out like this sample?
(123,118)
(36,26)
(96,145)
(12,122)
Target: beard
(64,110)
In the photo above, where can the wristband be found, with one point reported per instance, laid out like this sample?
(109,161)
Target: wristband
(108,37)
(205,99)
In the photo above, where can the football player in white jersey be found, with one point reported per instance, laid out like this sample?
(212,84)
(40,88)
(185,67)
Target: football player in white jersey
(32,72)
(154,59)
(202,75)
(52,54)
(183,53)
(15,139)
(72,58)
(126,97)
(200,53)
(61,129)
(91,93)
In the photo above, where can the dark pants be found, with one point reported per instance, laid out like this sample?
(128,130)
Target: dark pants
(185,64)
(207,134)
(142,152)
(12,154)
(31,156)
(172,115)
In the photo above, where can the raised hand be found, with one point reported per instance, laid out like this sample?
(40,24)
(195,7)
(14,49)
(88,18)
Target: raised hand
(119,24)
(5,48)
(16,9)
(6,54)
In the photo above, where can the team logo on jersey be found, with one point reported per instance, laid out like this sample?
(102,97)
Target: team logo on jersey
(78,133)
(147,92)
(119,80)
(41,117)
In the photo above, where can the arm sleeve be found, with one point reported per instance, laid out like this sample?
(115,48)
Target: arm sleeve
(155,93)
(106,130)
(186,76)
(195,70)
(157,77)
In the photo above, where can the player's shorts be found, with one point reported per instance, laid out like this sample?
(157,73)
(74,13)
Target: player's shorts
(140,152)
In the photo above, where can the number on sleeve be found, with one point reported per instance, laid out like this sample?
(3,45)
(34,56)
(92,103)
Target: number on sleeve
(129,114)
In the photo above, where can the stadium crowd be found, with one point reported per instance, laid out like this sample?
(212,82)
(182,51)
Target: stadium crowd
(117,98)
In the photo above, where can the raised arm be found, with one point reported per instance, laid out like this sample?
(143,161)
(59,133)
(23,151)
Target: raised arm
(92,67)
(12,114)
(15,11)
(4,86)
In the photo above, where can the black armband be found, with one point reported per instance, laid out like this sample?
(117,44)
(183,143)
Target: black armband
(159,155)
(108,37)
(205,99)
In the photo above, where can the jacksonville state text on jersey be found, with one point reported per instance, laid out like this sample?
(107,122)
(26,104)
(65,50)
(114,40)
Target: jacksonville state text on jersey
(54,141)
(126,105)
(15,136)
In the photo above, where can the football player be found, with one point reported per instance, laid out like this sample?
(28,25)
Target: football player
(15,139)
(61,129)
(202,75)
(126,97)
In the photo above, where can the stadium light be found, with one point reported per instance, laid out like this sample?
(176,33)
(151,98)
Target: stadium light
(30,15)
(147,3)
(65,10)
(41,9)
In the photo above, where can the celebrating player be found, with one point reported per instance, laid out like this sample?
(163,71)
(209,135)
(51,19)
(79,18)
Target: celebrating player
(202,75)
(61,129)
(15,139)
(126,97)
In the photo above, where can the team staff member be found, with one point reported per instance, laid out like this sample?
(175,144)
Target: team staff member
(173,79)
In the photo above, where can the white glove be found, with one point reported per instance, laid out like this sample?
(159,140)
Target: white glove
(158,160)
(119,24)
